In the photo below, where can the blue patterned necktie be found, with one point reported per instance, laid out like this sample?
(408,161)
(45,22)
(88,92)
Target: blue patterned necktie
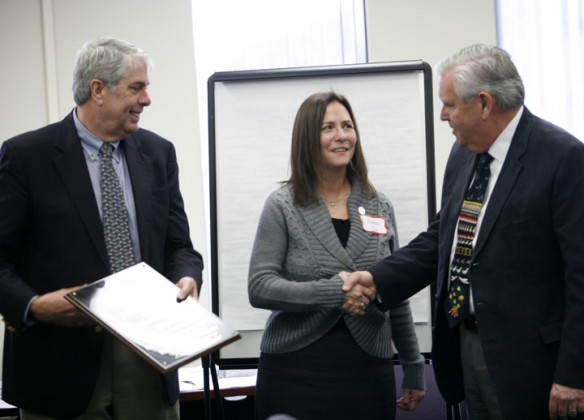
(114,214)
(457,304)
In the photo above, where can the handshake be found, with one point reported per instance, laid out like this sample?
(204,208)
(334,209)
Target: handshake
(359,290)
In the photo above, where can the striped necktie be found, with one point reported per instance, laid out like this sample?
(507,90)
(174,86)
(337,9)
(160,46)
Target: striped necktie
(114,214)
(457,304)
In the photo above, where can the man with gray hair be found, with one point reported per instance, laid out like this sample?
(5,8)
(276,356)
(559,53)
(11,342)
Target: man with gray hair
(79,200)
(506,251)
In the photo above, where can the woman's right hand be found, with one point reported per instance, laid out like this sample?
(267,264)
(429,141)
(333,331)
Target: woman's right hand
(358,296)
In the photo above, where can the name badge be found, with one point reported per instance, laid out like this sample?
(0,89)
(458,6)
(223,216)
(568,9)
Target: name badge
(373,224)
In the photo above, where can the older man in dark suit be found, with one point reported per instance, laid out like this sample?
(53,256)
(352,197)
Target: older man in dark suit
(55,235)
(506,250)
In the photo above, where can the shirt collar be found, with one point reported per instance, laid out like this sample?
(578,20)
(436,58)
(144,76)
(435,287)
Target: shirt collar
(501,145)
(90,143)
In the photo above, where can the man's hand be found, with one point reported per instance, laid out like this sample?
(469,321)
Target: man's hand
(364,278)
(188,287)
(53,308)
(359,291)
(565,401)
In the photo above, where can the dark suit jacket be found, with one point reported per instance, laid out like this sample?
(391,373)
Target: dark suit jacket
(51,237)
(527,273)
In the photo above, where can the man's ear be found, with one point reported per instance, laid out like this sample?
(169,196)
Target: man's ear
(487,104)
(97,88)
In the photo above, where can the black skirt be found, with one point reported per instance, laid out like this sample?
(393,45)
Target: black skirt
(332,378)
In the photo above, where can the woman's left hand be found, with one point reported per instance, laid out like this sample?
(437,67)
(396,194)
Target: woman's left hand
(410,399)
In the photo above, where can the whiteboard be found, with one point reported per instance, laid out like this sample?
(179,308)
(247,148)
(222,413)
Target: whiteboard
(251,114)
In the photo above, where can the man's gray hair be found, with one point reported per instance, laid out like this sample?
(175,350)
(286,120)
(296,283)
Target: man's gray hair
(105,59)
(484,68)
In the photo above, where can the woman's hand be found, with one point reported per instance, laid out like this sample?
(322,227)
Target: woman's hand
(410,399)
(358,296)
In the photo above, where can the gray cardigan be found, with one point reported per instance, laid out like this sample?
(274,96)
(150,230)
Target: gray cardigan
(294,269)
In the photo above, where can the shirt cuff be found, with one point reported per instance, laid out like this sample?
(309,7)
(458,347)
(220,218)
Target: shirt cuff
(28,320)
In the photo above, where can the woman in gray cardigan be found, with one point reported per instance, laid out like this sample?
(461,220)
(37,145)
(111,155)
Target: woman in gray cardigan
(317,361)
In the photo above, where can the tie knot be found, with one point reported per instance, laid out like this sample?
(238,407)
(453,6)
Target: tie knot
(485,158)
(106,149)
(483,164)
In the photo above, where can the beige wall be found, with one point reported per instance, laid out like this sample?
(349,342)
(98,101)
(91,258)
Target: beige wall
(38,40)
(23,99)
(428,30)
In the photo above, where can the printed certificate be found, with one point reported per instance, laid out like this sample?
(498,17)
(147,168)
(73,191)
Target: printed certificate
(138,305)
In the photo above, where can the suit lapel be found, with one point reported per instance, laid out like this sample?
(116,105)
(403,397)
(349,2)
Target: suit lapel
(453,202)
(71,166)
(509,173)
(456,179)
(139,166)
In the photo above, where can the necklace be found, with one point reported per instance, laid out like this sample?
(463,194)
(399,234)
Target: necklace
(341,197)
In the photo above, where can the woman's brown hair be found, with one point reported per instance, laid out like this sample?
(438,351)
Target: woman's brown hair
(305,155)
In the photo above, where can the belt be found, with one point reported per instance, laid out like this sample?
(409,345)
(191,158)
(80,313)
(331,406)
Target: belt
(470,323)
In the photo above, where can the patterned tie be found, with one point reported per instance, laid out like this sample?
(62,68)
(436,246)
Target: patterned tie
(114,214)
(458,294)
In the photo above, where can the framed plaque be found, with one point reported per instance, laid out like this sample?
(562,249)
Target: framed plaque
(138,305)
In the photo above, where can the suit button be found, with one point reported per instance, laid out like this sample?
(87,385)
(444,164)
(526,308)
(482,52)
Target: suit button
(98,329)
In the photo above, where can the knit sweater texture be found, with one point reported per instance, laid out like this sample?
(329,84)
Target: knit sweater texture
(293,272)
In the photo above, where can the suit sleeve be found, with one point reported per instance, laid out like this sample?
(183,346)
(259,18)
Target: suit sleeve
(568,220)
(181,259)
(409,269)
(15,294)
